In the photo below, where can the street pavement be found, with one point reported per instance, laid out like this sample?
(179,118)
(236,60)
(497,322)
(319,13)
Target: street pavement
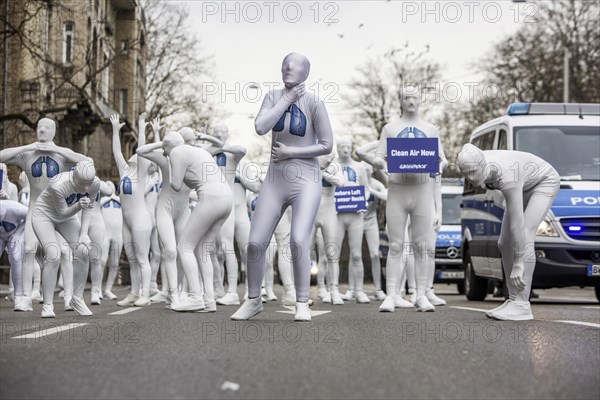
(348,352)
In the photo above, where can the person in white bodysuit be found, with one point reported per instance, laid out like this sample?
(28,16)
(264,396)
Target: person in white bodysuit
(301,133)
(42,161)
(7,186)
(327,222)
(195,168)
(352,223)
(153,186)
(172,213)
(12,232)
(137,225)
(55,211)
(408,195)
(96,233)
(227,158)
(529,186)
(113,238)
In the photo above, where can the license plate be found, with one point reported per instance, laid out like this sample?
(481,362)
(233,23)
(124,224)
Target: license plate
(593,270)
(451,275)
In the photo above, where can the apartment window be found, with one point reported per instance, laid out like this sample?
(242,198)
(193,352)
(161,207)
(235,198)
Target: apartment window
(123,102)
(68,43)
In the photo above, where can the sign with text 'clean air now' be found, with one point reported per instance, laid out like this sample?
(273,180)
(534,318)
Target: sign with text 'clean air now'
(412,155)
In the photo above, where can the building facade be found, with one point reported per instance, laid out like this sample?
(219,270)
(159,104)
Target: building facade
(77,62)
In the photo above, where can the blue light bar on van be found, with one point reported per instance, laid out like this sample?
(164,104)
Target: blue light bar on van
(575,228)
(518,109)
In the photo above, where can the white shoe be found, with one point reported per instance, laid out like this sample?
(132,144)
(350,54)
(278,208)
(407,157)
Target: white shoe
(109,295)
(95,297)
(289,298)
(219,292)
(514,311)
(326,298)
(153,288)
(412,297)
(67,299)
(349,295)
(362,298)
(129,300)
(48,311)
(336,299)
(210,305)
(11,296)
(491,312)
(191,303)
(424,305)
(36,296)
(433,299)
(310,302)
(249,309)
(379,295)
(388,305)
(400,302)
(142,301)
(173,298)
(160,297)
(79,305)
(302,312)
(322,292)
(23,303)
(271,296)
(61,294)
(230,299)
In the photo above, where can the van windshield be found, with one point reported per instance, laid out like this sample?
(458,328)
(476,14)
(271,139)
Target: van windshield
(451,208)
(574,151)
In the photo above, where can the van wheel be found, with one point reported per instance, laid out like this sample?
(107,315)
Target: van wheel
(597,288)
(475,286)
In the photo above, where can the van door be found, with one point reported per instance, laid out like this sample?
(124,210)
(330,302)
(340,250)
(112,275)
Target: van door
(476,215)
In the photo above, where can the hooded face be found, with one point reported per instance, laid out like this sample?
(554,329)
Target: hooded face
(83,175)
(294,69)
(46,129)
(112,187)
(188,135)
(410,102)
(472,164)
(170,141)
(221,132)
(344,149)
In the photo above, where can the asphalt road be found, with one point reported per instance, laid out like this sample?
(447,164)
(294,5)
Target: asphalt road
(348,352)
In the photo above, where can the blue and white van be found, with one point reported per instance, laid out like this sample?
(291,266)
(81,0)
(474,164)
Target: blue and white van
(567,244)
(448,261)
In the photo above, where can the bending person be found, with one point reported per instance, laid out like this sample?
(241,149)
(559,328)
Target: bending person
(12,230)
(529,192)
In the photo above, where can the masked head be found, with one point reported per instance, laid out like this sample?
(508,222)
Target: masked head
(23,181)
(221,132)
(410,100)
(294,69)
(472,164)
(152,168)
(46,129)
(188,135)
(344,148)
(84,173)
(170,141)
(112,187)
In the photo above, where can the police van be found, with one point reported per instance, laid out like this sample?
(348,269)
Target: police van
(567,245)
(448,262)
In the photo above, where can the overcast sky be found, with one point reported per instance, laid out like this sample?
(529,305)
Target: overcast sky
(249,40)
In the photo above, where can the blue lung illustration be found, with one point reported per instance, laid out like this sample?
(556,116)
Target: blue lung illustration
(75,197)
(52,168)
(410,132)
(125,186)
(116,204)
(106,205)
(7,226)
(297,121)
(350,174)
(97,197)
(221,159)
(253,203)
(325,183)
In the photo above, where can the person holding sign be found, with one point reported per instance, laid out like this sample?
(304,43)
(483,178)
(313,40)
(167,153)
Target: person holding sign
(529,186)
(351,205)
(413,151)
(301,133)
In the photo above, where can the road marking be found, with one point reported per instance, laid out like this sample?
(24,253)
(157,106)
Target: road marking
(589,324)
(470,309)
(292,310)
(48,331)
(125,311)
(591,307)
